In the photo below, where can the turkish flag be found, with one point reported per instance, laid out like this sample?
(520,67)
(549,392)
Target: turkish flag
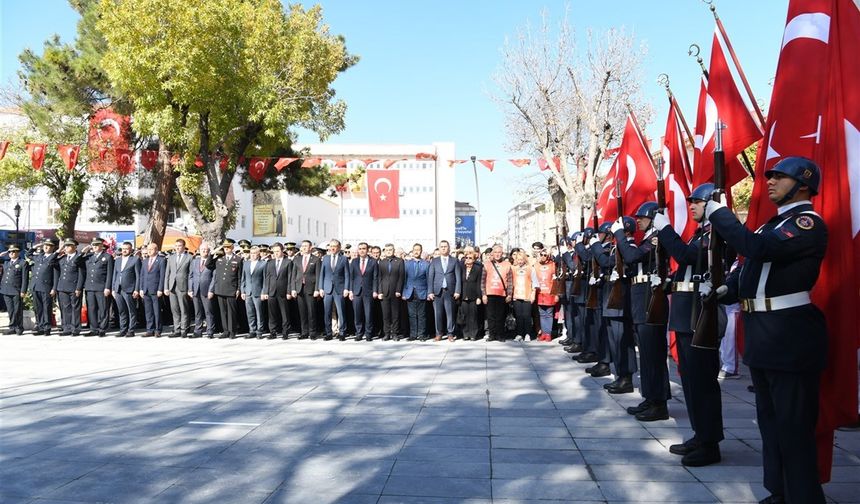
(369,161)
(633,175)
(676,175)
(257,168)
(382,193)
(519,163)
(719,99)
(390,162)
(489,163)
(3,146)
(311,162)
(425,156)
(283,162)
(815,112)
(148,159)
(37,154)
(69,154)
(452,162)
(124,164)
(198,161)
(544,165)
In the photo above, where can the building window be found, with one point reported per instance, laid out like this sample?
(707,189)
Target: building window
(325,229)
(243,222)
(318,228)
(309,224)
(300,223)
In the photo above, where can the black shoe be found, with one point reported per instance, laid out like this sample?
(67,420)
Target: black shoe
(773,499)
(222,336)
(586,358)
(158,335)
(565,341)
(639,408)
(210,335)
(705,454)
(341,338)
(121,334)
(601,369)
(175,335)
(368,338)
(130,334)
(657,411)
(38,332)
(412,338)
(607,386)
(102,334)
(574,348)
(196,334)
(9,332)
(623,385)
(92,333)
(685,447)
(328,337)
(751,388)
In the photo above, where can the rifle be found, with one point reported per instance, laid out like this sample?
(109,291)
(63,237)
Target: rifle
(707,333)
(616,294)
(658,304)
(577,277)
(560,288)
(591,301)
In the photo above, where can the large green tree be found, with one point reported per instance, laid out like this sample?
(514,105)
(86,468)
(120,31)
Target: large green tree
(225,78)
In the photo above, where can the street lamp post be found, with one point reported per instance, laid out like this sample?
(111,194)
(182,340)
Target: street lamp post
(17,217)
(477,204)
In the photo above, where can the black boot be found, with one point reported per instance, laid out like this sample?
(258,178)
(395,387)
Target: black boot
(705,454)
(685,447)
(573,348)
(565,341)
(586,358)
(657,411)
(600,369)
(607,386)
(635,410)
(624,385)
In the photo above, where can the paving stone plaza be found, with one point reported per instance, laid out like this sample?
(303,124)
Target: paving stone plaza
(247,421)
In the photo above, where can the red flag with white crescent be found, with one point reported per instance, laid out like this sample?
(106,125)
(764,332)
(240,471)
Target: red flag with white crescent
(453,162)
(424,156)
(36,151)
(519,163)
(124,161)
(311,162)
(257,168)
(69,155)
(635,168)
(368,161)
(383,187)
(283,162)
(390,162)
(815,112)
(3,146)
(488,163)
(148,159)
(676,170)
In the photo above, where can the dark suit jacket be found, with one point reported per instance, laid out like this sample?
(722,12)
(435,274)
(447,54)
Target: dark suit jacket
(391,282)
(278,282)
(72,273)
(99,272)
(334,280)
(152,277)
(45,273)
(307,279)
(199,282)
(472,283)
(15,276)
(252,282)
(367,284)
(452,275)
(127,280)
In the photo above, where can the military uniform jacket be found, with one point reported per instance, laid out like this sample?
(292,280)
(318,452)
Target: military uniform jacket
(567,259)
(585,257)
(692,259)
(45,272)
(227,277)
(606,258)
(641,262)
(15,276)
(99,269)
(783,257)
(72,273)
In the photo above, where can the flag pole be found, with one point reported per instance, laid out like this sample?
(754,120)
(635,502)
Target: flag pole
(477,204)
(641,136)
(663,80)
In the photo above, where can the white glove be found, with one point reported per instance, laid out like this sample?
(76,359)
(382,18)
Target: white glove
(579,238)
(713,206)
(593,240)
(617,226)
(614,276)
(705,288)
(592,280)
(660,221)
(722,290)
(656,280)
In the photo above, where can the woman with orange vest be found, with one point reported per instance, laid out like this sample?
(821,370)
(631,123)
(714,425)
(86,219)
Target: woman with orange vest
(497,284)
(546,294)
(525,284)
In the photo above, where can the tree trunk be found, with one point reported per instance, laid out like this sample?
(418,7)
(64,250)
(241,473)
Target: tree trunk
(559,202)
(70,198)
(161,200)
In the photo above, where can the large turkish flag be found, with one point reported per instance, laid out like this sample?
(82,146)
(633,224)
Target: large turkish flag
(382,193)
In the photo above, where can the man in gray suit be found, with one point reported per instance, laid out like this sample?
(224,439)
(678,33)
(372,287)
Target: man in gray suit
(176,288)
(444,279)
(253,271)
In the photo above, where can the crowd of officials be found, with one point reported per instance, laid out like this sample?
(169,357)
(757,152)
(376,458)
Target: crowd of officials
(373,292)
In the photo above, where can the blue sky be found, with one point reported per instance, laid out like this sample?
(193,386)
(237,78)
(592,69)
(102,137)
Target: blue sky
(426,68)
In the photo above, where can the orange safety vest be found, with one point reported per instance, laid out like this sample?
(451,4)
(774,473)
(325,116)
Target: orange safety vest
(546,283)
(523,282)
(495,282)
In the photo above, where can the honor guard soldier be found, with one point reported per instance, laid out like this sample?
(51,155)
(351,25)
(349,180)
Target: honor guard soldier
(651,339)
(598,282)
(13,286)
(70,287)
(567,268)
(43,286)
(99,267)
(698,367)
(226,283)
(785,334)
(589,318)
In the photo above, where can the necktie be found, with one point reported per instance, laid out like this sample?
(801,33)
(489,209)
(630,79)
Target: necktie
(333,261)
(151,260)
(389,265)
(304,263)
(202,265)
(277,267)
(362,265)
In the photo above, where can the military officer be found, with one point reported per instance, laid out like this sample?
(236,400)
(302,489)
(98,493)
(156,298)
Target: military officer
(698,367)
(70,287)
(589,326)
(601,324)
(785,334)
(97,286)
(226,283)
(13,287)
(43,286)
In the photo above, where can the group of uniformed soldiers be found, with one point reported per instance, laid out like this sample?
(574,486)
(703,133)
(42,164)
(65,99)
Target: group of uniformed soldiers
(785,334)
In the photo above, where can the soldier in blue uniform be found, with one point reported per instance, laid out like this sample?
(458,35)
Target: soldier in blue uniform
(785,334)
(567,268)
(43,286)
(226,286)
(698,367)
(99,268)
(651,339)
(618,321)
(13,287)
(70,287)
(601,326)
(588,320)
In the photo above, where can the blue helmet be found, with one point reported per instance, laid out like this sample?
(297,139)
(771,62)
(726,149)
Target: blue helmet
(604,228)
(801,169)
(572,238)
(588,232)
(701,193)
(647,209)
(629,224)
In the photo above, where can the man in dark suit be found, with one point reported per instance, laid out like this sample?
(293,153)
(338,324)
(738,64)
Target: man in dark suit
(199,283)
(277,283)
(444,279)
(70,288)
(470,299)
(415,293)
(43,286)
(176,288)
(226,285)
(253,277)
(306,275)
(13,286)
(126,289)
(99,267)
(365,286)
(333,285)
(151,289)
(391,277)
